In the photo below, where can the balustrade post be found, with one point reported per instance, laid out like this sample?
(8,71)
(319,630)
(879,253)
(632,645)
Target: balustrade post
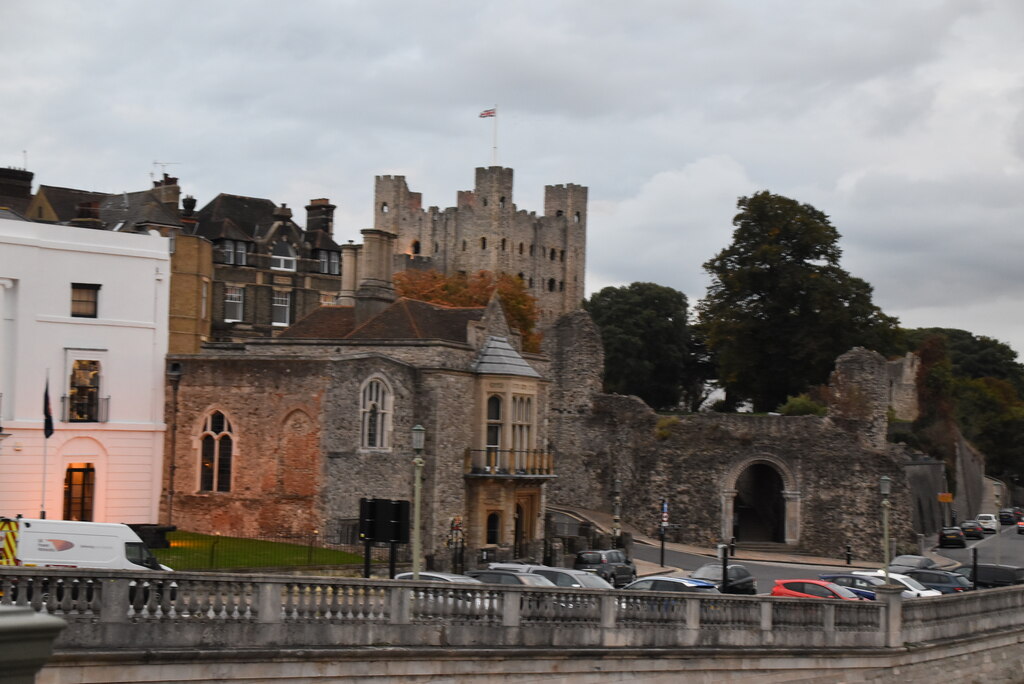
(511,605)
(766,616)
(114,601)
(828,619)
(609,611)
(268,602)
(692,613)
(400,600)
(892,599)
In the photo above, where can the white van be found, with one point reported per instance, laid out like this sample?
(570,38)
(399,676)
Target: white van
(31,542)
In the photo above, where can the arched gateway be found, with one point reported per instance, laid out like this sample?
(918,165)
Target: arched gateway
(760,502)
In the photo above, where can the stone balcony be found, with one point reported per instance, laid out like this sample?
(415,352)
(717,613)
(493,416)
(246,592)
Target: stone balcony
(506,463)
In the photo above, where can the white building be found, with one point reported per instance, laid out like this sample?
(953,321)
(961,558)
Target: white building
(88,309)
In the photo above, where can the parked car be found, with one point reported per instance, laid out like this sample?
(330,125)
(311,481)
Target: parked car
(952,536)
(560,577)
(740,579)
(682,584)
(988,522)
(1006,516)
(1020,527)
(611,565)
(912,588)
(992,575)
(510,577)
(810,588)
(432,576)
(972,529)
(907,562)
(861,585)
(941,580)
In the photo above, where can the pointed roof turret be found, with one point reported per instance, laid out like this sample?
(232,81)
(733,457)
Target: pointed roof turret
(499,358)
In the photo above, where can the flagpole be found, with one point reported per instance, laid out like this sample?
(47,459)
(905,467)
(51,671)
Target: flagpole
(46,412)
(495,147)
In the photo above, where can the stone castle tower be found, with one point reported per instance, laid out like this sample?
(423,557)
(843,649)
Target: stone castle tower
(486,231)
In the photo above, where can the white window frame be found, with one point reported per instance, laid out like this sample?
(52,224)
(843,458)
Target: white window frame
(281,308)
(234,303)
(282,262)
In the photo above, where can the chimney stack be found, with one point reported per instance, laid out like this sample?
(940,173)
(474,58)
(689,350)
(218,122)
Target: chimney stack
(320,216)
(168,191)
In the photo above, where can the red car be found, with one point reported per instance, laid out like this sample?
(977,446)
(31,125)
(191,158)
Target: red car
(811,588)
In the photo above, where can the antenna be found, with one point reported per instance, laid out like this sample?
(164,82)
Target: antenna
(163,167)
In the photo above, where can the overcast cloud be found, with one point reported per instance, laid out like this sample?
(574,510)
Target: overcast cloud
(904,121)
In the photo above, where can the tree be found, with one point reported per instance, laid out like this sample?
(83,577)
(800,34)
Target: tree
(644,331)
(475,290)
(780,309)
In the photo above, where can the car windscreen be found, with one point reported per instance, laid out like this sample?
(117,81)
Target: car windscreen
(842,591)
(708,572)
(588,558)
(536,580)
(592,581)
(137,553)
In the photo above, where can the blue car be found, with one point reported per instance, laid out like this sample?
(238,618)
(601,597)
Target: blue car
(860,585)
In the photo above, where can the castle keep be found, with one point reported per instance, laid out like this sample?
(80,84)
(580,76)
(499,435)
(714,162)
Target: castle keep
(486,231)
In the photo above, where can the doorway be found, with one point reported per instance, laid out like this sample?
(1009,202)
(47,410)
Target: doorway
(759,508)
(79,491)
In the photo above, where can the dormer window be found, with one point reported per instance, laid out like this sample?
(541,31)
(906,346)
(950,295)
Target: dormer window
(233,252)
(330,261)
(283,257)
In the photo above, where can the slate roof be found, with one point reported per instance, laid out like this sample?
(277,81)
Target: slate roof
(498,357)
(406,319)
(126,211)
(11,214)
(250,217)
(65,201)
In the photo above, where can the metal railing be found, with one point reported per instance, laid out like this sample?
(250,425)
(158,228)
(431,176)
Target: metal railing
(509,462)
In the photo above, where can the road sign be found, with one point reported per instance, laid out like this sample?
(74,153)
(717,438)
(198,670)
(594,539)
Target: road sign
(945,497)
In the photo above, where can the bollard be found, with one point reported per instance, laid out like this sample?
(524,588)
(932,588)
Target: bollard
(849,555)
(732,547)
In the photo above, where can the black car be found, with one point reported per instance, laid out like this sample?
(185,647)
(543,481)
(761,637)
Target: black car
(611,565)
(952,536)
(972,529)
(1006,516)
(992,575)
(906,562)
(946,582)
(740,579)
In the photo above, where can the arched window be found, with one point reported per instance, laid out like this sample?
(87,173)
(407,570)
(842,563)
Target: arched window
(501,203)
(383,207)
(494,418)
(576,217)
(502,244)
(483,243)
(375,412)
(282,257)
(551,284)
(520,247)
(216,444)
(553,253)
(494,528)
(415,246)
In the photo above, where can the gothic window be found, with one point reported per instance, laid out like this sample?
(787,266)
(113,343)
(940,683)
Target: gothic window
(85,299)
(375,412)
(216,451)
(283,257)
(483,243)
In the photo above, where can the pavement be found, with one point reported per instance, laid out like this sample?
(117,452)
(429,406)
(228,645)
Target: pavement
(603,522)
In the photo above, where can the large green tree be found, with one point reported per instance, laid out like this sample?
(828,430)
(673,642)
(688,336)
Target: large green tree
(780,309)
(644,331)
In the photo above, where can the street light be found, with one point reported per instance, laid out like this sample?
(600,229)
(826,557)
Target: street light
(885,486)
(418,434)
(999,528)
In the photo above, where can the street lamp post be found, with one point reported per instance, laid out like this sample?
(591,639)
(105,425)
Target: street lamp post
(885,486)
(999,521)
(418,434)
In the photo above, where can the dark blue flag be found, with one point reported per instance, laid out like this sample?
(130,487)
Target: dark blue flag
(47,416)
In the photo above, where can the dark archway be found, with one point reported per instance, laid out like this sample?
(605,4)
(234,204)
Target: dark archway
(759,509)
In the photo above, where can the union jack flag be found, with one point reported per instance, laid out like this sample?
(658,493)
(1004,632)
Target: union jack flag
(488,112)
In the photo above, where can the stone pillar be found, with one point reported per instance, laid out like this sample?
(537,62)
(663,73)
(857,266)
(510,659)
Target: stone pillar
(792,517)
(728,497)
(26,642)
(349,274)
(891,597)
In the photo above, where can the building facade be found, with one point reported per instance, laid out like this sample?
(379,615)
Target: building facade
(84,319)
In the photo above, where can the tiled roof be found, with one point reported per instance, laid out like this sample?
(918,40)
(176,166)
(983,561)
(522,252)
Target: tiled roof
(65,201)
(328,322)
(499,358)
(409,319)
(406,319)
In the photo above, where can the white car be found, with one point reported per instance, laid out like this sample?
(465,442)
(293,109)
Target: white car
(914,589)
(988,522)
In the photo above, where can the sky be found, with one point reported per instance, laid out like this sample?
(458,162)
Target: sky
(904,122)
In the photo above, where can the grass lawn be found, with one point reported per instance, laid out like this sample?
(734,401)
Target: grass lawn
(191,551)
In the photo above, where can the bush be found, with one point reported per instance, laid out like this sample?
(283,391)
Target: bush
(802,405)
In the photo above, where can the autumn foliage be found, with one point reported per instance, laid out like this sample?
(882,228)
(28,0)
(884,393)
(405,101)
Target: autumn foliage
(475,290)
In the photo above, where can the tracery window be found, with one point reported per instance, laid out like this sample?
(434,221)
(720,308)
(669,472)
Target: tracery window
(375,407)
(216,451)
